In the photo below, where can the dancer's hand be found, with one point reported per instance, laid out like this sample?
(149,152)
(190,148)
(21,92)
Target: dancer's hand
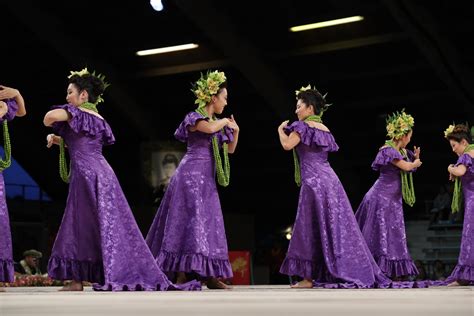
(283,125)
(449,168)
(3,109)
(233,124)
(50,140)
(451,176)
(8,93)
(416,151)
(226,120)
(417,163)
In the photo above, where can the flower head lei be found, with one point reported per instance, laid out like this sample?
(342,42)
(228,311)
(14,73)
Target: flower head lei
(308,87)
(449,130)
(207,86)
(85,72)
(399,124)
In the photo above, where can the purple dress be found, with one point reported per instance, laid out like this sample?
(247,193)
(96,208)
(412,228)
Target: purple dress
(380,217)
(99,240)
(326,245)
(6,255)
(464,270)
(187,234)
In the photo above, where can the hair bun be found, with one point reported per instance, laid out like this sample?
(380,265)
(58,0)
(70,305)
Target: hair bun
(461,128)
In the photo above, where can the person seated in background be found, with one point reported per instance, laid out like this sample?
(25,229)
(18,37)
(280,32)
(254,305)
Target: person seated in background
(439,270)
(170,164)
(441,205)
(30,263)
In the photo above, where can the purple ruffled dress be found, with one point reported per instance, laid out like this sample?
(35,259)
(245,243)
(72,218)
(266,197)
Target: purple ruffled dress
(99,240)
(6,254)
(380,217)
(326,245)
(187,234)
(464,270)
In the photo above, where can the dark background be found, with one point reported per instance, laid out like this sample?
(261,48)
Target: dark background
(415,55)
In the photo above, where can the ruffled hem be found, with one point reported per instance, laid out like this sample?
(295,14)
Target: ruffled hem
(462,273)
(390,285)
(116,287)
(86,123)
(303,268)
(397,268)
(195,262)
(6,271)
(385,156)
(322,278)
(311,136)
(70,269)
(464,159)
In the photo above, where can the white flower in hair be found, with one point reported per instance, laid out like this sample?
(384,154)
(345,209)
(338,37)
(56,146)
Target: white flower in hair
(79,73)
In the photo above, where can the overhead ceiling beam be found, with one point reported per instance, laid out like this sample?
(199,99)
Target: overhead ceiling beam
(427,35)
(307,50)
(241,53)
(76,52)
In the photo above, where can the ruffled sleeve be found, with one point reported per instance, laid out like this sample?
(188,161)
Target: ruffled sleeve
(225,136)
(464,159)
(85,123)
(311,136)
(11,112)
(182,133)
(385,157)
(191,119)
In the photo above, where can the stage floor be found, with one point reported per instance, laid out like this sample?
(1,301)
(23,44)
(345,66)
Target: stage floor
(241,300)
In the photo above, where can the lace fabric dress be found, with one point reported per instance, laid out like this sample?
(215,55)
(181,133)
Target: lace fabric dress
(380,217)
(6,254)
(326,245)
(464,270)
(187,234)
(98,240)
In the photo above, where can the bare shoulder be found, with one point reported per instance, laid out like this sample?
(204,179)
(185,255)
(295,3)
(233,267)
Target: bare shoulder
(317,125)
(92,113)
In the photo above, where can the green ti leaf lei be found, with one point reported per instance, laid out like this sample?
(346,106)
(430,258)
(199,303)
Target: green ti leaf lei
(457,193)
(63,169)
(408,189)
(223,171)
(89,106)
(4,164)
(313,118)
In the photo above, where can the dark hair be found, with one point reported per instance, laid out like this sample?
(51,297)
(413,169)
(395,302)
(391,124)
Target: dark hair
(221,86)
(314,98)
(459,133)
(170,158)
(93,85)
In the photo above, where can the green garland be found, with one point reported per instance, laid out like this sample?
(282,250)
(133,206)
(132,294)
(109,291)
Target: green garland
(63,172)
(89,106)
(313,118)
(63,169)
(4,164)
(408,189)
(223,172)
(457,193)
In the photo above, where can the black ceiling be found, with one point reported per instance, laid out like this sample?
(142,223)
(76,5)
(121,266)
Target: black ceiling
(412,54)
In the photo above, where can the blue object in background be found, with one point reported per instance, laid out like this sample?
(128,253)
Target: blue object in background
(19,184)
